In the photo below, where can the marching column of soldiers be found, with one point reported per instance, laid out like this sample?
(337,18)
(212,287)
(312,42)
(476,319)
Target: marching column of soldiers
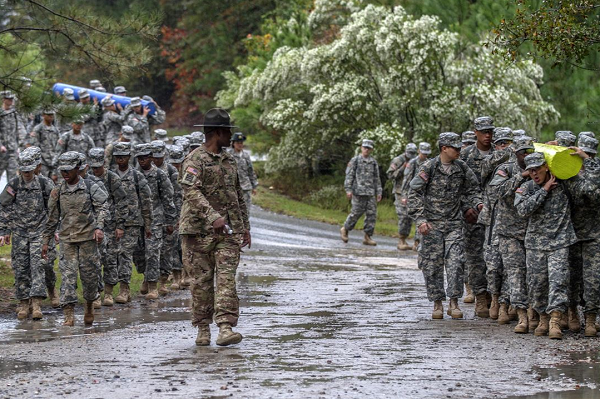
(492,218)
(104,192)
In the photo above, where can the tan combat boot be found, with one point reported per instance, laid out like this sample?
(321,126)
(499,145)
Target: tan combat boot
(590,325)
(416,245)
(36,313)
(227,336)
(512,313)
(97,303)
(163,289)
(453,310)
(124,295)
(23,309)
(69,311)
(152,291)
(402,245)
(344,234)
(144,287)
(108,295)
(494,308)
(176,280)
(555,332)
(53,295)
(186,280)
(564,321)
(88,316)
(522,326)
(367,240)
(533,318)
(503,317)
(481,306)
(438,310)
(203,337)
(470,298)
(573,319)
(543,325)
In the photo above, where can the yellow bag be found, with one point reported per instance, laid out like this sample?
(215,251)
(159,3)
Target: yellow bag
(562,164)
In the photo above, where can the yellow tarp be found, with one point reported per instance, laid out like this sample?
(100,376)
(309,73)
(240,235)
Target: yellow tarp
(562,164)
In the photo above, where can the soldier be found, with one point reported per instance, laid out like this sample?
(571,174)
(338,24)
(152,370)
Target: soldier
(45,136)
(181,277)
(112,121)
(138,219)
(91,123)
(196,140)
(589,134)
(363,187)
(396,173)
(11,128)
(564,138)
(94,84)
(101,89)
(159,117)
(409,174)
(24,214)
(442,187)
(138,120)
(468,138)
(75,140)
(120,91)
(474,233)
(183,143)
(214,227)
(147,257)
(161,134)
(125,136)
(519,133)
(72,205)
(64,122)
(246,174)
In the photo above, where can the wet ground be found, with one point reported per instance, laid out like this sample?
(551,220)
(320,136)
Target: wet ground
(320,319)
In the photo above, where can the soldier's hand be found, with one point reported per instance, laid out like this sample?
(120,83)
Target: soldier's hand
(119,234)
(56,238)
(253,191)
(7,239)
(525,174)
(219,226)
(471,216)
(2,149)
(349,195)
(1,241)
(247,240)
(379,198)
(424,228)
(170,230)
(119,107)
(551,183)
(404,201)
(98,235)
(45,251)
(553,142)
(148,233)
(579,153)
(146,111)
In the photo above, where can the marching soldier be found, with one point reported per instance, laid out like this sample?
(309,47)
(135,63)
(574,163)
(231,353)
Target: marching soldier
(396,173)
(246,174)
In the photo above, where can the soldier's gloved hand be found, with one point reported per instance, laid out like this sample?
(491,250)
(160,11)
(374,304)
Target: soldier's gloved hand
(98,235)
(424,228)
(169,230)
(247,240)
(219,226)
(119,234)
(45,251)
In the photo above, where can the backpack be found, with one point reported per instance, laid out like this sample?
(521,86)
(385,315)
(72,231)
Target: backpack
(14,183)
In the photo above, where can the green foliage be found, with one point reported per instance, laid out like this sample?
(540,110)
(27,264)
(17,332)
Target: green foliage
(331,197)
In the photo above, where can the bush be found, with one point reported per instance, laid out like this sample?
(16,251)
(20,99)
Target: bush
(331,197)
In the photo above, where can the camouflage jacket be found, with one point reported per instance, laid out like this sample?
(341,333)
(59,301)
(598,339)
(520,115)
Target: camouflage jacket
(161,192)
(11,129)
(138,199)
(507,222)
(24,207)
(160,116)
(70,141)
(491,192)
(211,190)
(474,160)
(396,172)
(440,198)
(362,177)
(45,137)
(409,173)
(585,207)
(173,174)
(246,174)
(79,212)
(112,123)
(140,126)
(117,201)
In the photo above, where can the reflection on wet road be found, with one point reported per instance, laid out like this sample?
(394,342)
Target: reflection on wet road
(320,319)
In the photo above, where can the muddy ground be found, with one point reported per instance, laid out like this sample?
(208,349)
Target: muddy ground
(319,319)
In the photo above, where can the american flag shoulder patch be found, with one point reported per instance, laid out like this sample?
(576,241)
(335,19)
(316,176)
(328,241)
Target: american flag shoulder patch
(192,171)
(10,190)
(502,173)
(424,176)
(519,190)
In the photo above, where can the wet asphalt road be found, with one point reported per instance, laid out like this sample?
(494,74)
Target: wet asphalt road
(320,319)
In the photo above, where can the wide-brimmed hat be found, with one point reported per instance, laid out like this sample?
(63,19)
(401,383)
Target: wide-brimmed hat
(217,117)
(239,136)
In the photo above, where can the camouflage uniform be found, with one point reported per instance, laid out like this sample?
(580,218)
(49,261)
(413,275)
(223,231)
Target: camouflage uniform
(46,138)
(362,180)
(246,175)
(211,190)
(11,128)
(396,173)
(70,141)
(409,174)
(112,123)
(140,126)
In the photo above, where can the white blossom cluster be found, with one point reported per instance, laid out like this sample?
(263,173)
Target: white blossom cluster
(387,76)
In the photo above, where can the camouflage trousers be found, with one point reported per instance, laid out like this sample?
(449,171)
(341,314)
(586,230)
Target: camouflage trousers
(109,254)
(576,274)
(248,200)
(126,246)
(146,255)
(589,253)
(168,252)
(513,257)
(474,236)
(548,278)
(441,250)
(177,262)
(48,265)
(404,222)
(26,258)
(79,257)
(8,163)
(497,279)
(214,261)
(363,205)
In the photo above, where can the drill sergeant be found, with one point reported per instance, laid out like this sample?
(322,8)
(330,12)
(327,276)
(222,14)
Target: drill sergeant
(396,173)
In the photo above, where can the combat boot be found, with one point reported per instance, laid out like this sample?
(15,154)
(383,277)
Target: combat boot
(53,295)
(227,336)
(503,317)
(97,303)
(186,280)
(144,287)
(470,298)
(367,240)
(344,234)
(573,319)
(522,326)
(453,310)
(176,280)
(512,313)
(564,321)
(88,316)
(590,325)
(438,310)
(23,309)
(152,291)
(494,308)
(203,337)
(108,295)
(416,246)
(542,328)
(69,311)
(402,245)
(163,290)
(36,313)
(533,319)
(555,332)
(481,306)
(124,295)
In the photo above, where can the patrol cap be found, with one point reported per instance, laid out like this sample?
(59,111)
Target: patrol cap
(424,148)
(78,120)
(69,94)
(48,111)
(142,150)
(120,90)
(8,94)
(158,148)
(146,97)
(518,133)
(96,157)
(367,143)
(534,160)
(565,138)
(411,147)
(94,83)
(127,131)
(107,102)
(183,142)
(239,136)
(198,136)
(450,139)
(523,143)
(502,133)
(122,148)
(484,123)
(469,137)
(176,154)
(589,134)
(35,151)
(136,101)
(101,89)
(69,161)
(27,162)
(83,93)
(588,144)
(161,134)
(82,160)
